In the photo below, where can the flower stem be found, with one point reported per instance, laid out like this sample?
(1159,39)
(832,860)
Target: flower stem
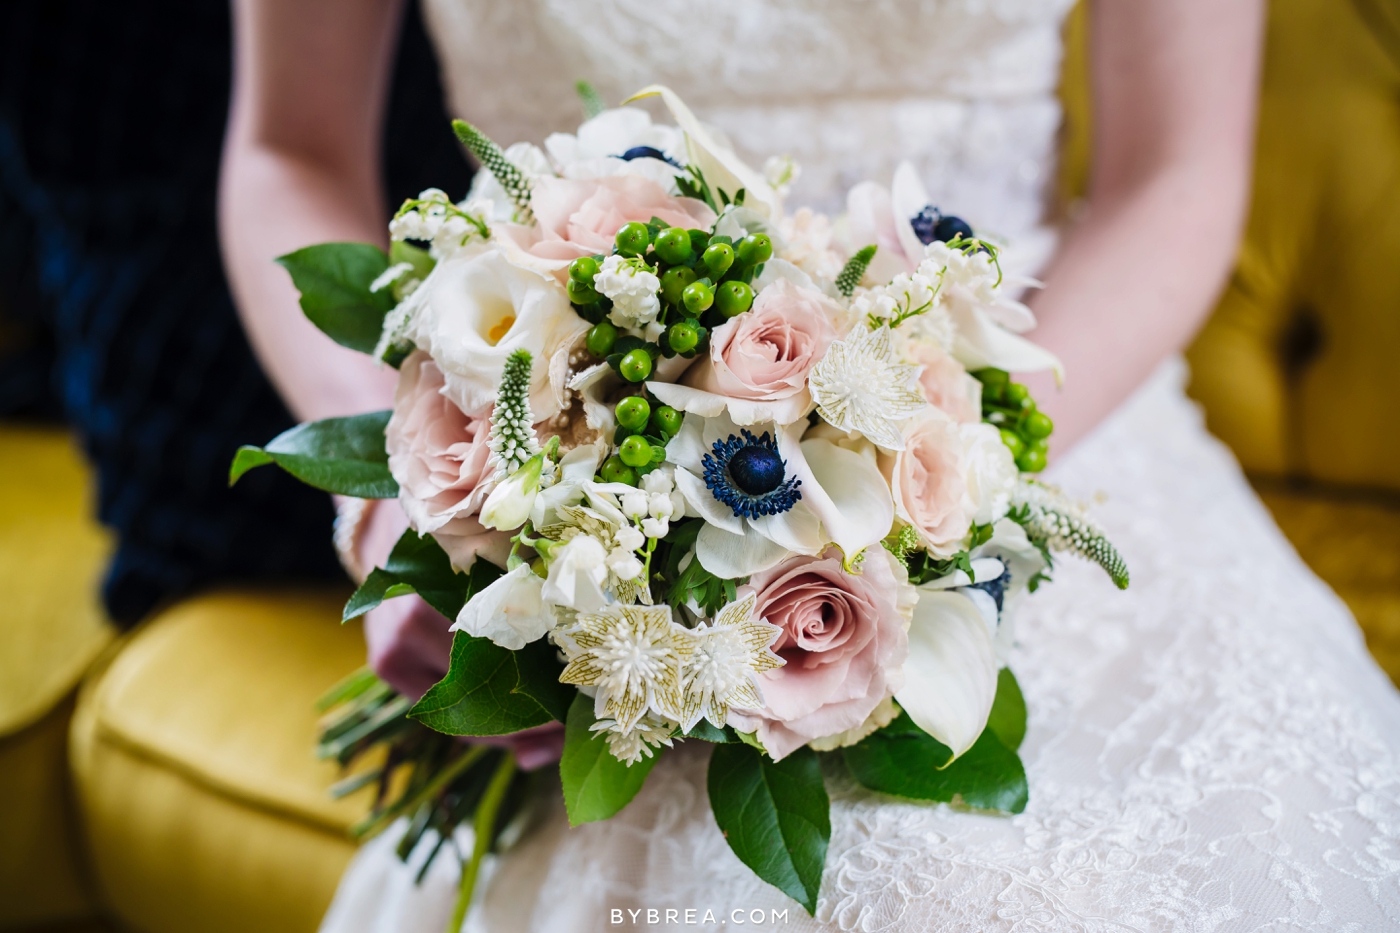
(482,825)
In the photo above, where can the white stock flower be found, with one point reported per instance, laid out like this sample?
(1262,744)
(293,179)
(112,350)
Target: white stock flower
(859,386)
(632,287)
(474,310)
(577,573)
(509,611)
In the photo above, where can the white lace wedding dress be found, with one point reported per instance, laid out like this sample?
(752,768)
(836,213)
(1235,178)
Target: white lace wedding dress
(1212,750)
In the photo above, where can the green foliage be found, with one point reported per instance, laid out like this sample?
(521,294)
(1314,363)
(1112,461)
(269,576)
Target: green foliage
(539,667)
(775,815)
(339,455)
(854,270)
(479,695)
(710,592)
(1008,717)
(420,259)
(705,732)
(904,761)
(596,785)
(334,280)
(420,565)
(592,103)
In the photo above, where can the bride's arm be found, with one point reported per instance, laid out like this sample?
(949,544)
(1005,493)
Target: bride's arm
(301,166)
(1174,83)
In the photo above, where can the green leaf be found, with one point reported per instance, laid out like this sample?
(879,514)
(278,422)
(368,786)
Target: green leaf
(775,815)
(596,785)
(420,565)
(477,697)
(340,455)
(705,732)
(420,259)
(539,667)
(334,280)
(904,761)
(1008,717)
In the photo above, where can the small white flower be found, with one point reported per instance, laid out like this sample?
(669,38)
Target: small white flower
(723,663)
(629,538)
(632,656)
(858,386)
(634,503)
(512,501)
(632,287)
(624,564)
(632,745)
(577,572)
(781,172)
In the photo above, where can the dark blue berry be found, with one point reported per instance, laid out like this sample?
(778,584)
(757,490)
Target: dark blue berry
(645,152)
(950,228)
(923,223)
(756,470)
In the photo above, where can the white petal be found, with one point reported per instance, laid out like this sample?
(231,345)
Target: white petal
(950,678)
(730,556)
(699,499)
(509,611)
(907,198)
(776,269)
(687,449)
(981,343)
(797,529)
(843,489)
(742,411)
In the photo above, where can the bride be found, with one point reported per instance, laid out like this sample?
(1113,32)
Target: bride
(1212,750)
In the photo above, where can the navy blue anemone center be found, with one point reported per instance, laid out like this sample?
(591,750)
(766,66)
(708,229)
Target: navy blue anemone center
(748,475)
(646,152)
(930,224)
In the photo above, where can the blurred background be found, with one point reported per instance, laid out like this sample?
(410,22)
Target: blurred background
(163,639)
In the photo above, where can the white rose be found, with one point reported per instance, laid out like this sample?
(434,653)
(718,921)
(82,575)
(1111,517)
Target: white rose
(474,310)
(509,611)
(991,471)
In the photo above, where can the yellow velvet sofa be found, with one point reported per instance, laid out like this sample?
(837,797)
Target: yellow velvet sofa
(182,794)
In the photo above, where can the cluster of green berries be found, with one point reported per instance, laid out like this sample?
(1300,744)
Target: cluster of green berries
(643,430)
(1024,429)
(705,281)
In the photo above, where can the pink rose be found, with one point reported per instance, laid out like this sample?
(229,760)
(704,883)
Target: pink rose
(766,354)
(439,456)
(929,484)
(843,638)
(947,384)
(580,217)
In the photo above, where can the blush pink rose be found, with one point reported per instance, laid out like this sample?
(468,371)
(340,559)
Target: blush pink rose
(947,384)
(580,217)
(843,638)
(439,456)
(929,483)
(766,354)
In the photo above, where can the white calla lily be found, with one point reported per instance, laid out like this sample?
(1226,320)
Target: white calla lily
(950,677)
(981,343)
(509,611)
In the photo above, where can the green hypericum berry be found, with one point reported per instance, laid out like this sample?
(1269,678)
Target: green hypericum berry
(635,451)
(698,297)
(666,420)
(718,258)
(581,294)
(633,412)
(734,298)
(1016,395)
(754,249)
(1013,442)
(683,336)
(635,365)
(615,471)
(1038,443)
(583,269)
(673,245)
(1032,460)
(674,281)
(992,377)
(632,239)
(600,339)
(1038,424)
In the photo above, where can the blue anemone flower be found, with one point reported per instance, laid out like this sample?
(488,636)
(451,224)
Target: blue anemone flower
(748,475)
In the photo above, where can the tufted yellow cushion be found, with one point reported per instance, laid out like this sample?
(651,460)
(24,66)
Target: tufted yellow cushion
(192,751)
(51,629)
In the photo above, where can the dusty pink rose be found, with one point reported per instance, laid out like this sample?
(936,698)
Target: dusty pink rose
(439,457)
(766,354)
(580,217)
(844,642)
(929,482)
(947,384)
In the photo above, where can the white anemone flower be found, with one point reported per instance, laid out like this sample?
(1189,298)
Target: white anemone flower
(801,495)
(510,611)
(597,149)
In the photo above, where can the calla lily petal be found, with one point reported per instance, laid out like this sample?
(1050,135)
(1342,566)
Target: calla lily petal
(908,196)
(982,343)
(842,488)
(730,556)
(950,678)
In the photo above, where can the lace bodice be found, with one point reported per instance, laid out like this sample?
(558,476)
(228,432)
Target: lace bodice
(965,89)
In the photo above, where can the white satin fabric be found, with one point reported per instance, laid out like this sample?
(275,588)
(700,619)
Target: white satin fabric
(1212,750)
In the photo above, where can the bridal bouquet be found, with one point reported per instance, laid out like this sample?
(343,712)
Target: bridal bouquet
(682,466)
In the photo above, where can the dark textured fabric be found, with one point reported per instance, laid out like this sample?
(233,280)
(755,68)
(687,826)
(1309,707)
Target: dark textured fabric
(116,315)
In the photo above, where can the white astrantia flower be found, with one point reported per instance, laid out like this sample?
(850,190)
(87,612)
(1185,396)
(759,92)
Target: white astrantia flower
(510,611)
(632,656)
(828,494)
(722,667)
(630,746)
(859,386)
(632,286)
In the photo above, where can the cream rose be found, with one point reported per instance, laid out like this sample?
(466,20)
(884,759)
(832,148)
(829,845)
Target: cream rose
(476,309)
(440,458)
(946,382)
(844,641)
(929,482)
